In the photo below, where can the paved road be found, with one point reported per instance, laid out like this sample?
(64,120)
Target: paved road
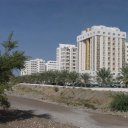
(80,118)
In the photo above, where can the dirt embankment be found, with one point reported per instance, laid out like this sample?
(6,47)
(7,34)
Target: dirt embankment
(98,100)
(69,96)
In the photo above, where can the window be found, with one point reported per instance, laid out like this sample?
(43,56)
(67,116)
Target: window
(108,43)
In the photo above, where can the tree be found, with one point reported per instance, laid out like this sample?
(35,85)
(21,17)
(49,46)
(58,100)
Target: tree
(73,76)
(85,77)
(124,75)
(10,60)
(62,77)
(104,76)
(50,77)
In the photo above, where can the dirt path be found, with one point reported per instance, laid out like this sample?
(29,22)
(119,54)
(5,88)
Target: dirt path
(80,118)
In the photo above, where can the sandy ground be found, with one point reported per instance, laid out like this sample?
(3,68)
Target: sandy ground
(77,117)
(26,119)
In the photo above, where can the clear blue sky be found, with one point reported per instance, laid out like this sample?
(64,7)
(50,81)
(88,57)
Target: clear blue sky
(40,25)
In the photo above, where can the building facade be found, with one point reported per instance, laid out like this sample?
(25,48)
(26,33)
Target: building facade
(66,57)
(126,53)
(33,66)
(101,46)
(51,66)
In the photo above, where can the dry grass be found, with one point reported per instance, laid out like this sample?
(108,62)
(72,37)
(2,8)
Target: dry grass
(70,96)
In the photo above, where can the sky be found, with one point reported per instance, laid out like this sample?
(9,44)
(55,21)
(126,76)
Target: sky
(40,25)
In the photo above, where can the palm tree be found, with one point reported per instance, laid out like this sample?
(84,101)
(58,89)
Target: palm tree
(52,75)
(104,76)
(124,75)
(73,77)
(62,77)
(85,77)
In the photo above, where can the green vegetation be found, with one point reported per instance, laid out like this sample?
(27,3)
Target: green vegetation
(56,89)
(50,77)
(10,60)
(73,77)
(64,78)
(85,77)
(120,102)
(124,75)
(104,76)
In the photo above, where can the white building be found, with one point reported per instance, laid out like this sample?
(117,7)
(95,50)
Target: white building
(126,53)
(33,66)
(51,65)
(101,46)
(66,56)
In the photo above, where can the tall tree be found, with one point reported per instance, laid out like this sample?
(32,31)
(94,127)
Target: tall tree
(104,76)
(10,59)
(85,77)
(62,77)
(124,75)
(73,77)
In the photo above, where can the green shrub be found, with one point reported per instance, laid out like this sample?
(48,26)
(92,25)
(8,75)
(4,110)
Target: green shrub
(119,102)
(56,89)
(89,105)
(4,103)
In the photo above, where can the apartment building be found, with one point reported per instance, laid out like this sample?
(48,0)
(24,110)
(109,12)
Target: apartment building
(33,66)
(126,53)
(51,66)
(66,57)
(101,46)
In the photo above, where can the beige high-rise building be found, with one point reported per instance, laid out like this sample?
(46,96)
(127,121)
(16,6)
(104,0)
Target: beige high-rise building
(101,46)
(66,57)
(126,53)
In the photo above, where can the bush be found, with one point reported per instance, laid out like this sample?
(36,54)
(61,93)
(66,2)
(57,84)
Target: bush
(56,89)
(89,105)
(4,102)
(120,102)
